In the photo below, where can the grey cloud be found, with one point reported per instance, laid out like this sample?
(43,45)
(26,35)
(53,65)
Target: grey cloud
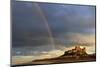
(29,29)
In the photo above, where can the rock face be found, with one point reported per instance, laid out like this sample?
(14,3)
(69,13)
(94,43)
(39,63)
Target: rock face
(77,51)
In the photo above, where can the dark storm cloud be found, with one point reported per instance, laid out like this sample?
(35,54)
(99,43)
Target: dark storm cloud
(72,18)
(27,25)
(29,29)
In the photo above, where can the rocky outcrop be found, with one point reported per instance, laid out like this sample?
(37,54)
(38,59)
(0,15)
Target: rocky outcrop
(77,51)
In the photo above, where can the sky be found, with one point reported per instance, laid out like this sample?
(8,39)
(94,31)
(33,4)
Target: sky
(50,29)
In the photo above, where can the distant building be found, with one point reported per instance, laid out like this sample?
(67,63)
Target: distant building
(77,51)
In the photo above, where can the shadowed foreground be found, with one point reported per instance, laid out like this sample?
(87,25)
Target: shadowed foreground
(63,59)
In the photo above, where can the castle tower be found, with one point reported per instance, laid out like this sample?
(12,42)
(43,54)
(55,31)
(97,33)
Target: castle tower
(84,49)
(77,48)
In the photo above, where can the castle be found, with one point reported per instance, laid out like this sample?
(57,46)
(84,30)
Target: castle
(77,51)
